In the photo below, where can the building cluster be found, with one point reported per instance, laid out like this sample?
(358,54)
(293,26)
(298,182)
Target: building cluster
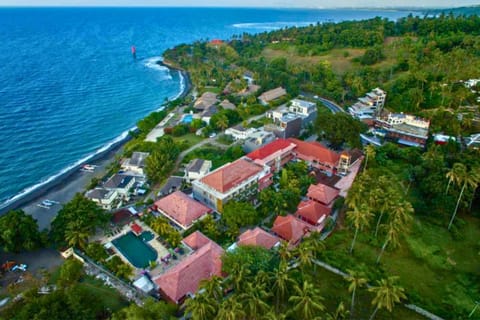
(122,186)
(369,106)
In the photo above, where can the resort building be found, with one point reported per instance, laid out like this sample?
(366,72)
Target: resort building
(317,155)
(173,184)
(370,105)
(197,168)
(271,95)
(225,104)
(274,154)
(238,132)
(313,213)
(256,237)
(183,280)
(208,113)
(405,129)
(136,163)
(238,180)
(291,229)
(107,199)
(181,209)
(207,100)
(322,194)
(121,183)
(305,110)
(257,140)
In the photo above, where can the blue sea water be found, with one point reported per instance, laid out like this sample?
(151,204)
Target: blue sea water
(69,85)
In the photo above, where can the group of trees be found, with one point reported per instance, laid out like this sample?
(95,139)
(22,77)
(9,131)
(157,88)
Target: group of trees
(162,227)
(340,128)
(161,160)
(279,284)
(19,232)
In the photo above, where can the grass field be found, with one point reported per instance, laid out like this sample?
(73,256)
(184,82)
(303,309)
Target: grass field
(440,272)
(191,139)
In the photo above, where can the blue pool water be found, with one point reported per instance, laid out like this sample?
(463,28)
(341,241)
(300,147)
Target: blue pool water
(69,85)
(135,250)
(187,118)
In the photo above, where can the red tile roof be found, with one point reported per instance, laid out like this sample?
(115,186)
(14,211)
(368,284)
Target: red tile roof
(196,240)
(136,228)
(181,208)
(312,211)
(258,237)
(322,193)
(316,151)
(269,149)
(225,178)
(185,277)
(290,228)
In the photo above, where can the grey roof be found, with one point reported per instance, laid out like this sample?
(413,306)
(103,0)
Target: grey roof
(138,159)
(173,183)
(98,193)
(195,165)
(210,111)
(118,181)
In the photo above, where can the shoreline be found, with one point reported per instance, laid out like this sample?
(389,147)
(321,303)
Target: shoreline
(63,187)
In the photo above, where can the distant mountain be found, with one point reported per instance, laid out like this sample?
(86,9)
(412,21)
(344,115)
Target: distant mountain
(473,10)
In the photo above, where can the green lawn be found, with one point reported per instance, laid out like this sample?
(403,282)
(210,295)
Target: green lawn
(109,297)
(439,272)
(334,289)
(191,139)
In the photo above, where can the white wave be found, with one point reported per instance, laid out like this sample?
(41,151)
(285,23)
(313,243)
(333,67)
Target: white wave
(182,87)
(272,25)
(68,169)
(152,63)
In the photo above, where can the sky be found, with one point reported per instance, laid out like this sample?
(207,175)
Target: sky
(245,3)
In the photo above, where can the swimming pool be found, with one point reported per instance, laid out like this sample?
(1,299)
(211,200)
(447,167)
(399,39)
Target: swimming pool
(147,236)
(135,250)
(187,118)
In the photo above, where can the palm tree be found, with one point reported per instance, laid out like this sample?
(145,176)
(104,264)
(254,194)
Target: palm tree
(281,284)
(306,301)
(359,218)
(237,279)
(357,280)
(231,309)
(222,122)
(201,307)
(470,179)
(398,224)
(455,175)
(212,287)
(389,200)
(253,299)
(369,154)
(284,251)
(387,293)
(340,313)
(304,255)
(76,234)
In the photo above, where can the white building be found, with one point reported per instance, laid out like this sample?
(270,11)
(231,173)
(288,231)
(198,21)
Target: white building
(136,163)
(197,169)
(120,183)
(103,197)
(368,106)
(238,132)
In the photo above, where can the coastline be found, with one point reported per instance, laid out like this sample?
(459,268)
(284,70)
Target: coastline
(63,186)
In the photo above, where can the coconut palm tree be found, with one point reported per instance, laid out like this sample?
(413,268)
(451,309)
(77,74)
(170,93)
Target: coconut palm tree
(281,284)
(387,294)
(76,234)
(340,313)
(284,251)
(237,279)
(357,280)
(212,287)
(304,255)
(222,122)
(455,175)
(401,217)
(253,299)
(359,218)
(369,154)
(390,199)
(306,301)
(469,179)
(201,307)
(231,309)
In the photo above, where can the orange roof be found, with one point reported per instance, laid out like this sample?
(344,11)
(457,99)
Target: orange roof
(196,240)
(136,228)
(312,211)
(185,277)
(290,228)
(322,193)
(257,237)
(316,151)
(225,178)
(181,208)
(269,149)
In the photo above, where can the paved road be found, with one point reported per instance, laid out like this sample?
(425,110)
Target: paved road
(331,105)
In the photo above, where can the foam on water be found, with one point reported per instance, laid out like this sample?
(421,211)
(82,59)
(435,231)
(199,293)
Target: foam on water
(152,63)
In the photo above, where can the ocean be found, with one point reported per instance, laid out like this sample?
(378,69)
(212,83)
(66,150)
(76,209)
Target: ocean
(69,87)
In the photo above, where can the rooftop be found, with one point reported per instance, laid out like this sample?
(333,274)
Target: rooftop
(322,193)
(290,228)
(98,193)
(313,212)
(258,237)
(206,100)
(137,159)
(225,178)
(196,165)
(272,94)
(269,149)
(118,181)
(316,151)
(181,208)
(173,183)
(225,104)
(185,277)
